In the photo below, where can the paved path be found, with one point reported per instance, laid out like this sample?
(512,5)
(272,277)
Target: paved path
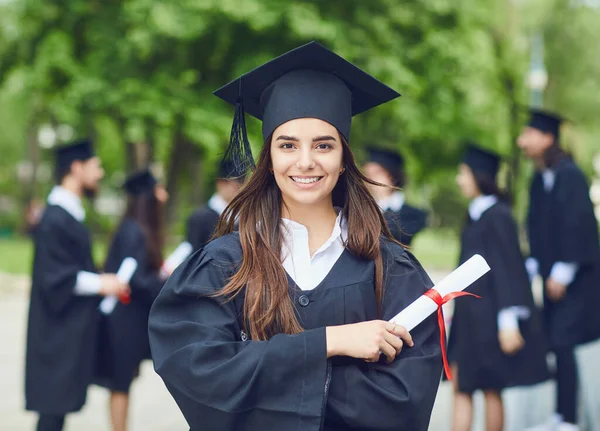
(154,410)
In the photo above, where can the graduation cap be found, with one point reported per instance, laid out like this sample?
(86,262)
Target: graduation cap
(79,150)
(392,161)
(140,183)
(307,82)
(545,121)
(481,161)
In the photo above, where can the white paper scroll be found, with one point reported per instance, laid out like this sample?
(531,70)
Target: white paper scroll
(124,274)
(457,281)
(175,259)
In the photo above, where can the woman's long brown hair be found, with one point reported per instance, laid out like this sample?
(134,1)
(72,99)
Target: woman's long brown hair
(268,308)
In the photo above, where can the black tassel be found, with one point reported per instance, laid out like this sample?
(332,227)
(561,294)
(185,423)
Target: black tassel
(239,154)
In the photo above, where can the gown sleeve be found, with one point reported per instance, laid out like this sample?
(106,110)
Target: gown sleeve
(400,395)
(198,351)
(576,240)
(508,272)
(145,280)
(55,267)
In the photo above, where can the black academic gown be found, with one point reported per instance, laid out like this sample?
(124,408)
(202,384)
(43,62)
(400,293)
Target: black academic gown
(201,226)
(406,223)
(62,326)
(473,343)
(123,338)
(562,228)
(224,382)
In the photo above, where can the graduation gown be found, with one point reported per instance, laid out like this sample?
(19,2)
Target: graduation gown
(123,338)
(562,228)
(223,381)
(406,222)
(201,226)
(62,326)
(473,343)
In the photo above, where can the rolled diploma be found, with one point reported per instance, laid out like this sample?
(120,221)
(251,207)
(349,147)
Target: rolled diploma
(457,281)
(181,253)
(124,274)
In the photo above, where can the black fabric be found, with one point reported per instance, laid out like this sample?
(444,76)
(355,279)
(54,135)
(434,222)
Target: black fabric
(545,121)
(140,183)
(123,337)
(224,382)
(50,423)
(473,343)
(62,326)
(308,81)
(406,223)
(566,384)
(201,226)
(562,227)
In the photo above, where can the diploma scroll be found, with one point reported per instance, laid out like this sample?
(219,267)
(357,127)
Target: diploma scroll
(175,259)
(457,281)
(124,274)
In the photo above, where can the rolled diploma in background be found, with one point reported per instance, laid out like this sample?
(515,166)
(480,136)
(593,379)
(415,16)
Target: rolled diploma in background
(180,254)
(457,281)
(124,274)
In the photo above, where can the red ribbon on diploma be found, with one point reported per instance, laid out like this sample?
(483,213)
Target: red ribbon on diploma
(125,298)
(435,296)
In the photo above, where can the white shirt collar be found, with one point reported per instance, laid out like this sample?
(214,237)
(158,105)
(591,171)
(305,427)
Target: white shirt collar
(481,204)
(393,202)
(68,201)
(548,176)
(306,270)
(217,203)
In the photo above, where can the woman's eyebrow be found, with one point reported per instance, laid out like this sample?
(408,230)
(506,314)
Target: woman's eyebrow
(287,138)
(324,138)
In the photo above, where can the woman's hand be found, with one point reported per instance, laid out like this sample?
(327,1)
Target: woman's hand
(367,340)
(511,341)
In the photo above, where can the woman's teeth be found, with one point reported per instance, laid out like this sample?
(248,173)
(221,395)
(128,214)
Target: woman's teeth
(306,180)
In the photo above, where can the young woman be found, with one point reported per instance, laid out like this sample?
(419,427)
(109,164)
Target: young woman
(124,334)
(497,341)
(281,324)
(387,167)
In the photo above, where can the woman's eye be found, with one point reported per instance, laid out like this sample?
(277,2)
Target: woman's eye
(324,146)
(287,146)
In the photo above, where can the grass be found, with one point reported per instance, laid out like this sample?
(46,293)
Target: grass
(435,249)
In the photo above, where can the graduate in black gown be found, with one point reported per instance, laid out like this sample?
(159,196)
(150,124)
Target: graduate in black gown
(203,222)
(280,325)
(563,239)
(123,341)
(387,167)
(65,292)
(497,341)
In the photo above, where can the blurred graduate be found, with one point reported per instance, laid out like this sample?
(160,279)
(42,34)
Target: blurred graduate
(565,252)
(123,341)
(280,324)
(495,342)
(387,167)
(65,293)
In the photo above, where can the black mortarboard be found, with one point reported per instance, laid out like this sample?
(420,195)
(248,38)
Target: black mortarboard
(78,150)
(140,183)
(481,161)
(307,82)
(545,121)
(392,161)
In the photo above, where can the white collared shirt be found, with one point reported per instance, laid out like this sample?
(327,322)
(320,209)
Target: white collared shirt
(548,176)
(481,204)
(217,203)
(308,272)
(393,202)
(88,283)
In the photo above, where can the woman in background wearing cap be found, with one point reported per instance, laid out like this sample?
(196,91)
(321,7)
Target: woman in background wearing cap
(281,324)
(563,239)
(124,335)
(495,342)
(387,168)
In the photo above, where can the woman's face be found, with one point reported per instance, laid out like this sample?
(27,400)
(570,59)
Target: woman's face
(161,194)
(534,143)
(466,182)
(306,158)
